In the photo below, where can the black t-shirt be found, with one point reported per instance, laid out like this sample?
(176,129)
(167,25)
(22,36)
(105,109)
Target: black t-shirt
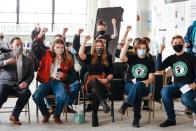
(106,37)
(98,68)
(183,67)
(139,68)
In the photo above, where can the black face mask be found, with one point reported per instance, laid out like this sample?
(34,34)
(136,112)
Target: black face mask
(101,32)
(1,37)
(178,48)
(99,51)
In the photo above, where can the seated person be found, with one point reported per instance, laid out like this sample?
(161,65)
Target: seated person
(140,75)
(183,66)
(55,72)
(74,87)
(99,65)
(15,78)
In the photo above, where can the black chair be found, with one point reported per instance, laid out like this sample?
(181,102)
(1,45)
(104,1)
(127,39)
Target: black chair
(118,83)
(87,97)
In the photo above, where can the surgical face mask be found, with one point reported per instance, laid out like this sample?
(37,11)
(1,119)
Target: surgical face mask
(101,32)
(99,51)
(178,48)
(141,52)
(18,50)
(59,51)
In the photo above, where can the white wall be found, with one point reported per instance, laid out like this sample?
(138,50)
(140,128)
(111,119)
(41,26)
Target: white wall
(164,17)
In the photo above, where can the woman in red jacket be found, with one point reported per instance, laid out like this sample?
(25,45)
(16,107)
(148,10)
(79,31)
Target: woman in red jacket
(53,73)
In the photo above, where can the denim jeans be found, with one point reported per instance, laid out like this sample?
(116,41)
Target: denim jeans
(58,89)
(73,93)
(134,93)
(173,91)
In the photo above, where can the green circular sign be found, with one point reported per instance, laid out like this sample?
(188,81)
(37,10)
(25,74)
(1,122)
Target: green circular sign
(180,69)
(139,71)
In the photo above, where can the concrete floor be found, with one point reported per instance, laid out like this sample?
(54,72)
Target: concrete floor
(183,122)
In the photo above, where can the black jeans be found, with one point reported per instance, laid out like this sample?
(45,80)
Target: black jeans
(98,93)
(23,97)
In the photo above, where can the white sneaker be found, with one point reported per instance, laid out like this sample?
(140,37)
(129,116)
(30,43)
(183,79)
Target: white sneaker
(194,123)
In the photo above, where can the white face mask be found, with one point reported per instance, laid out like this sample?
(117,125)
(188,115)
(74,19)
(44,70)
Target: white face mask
(18,50)
(59,51)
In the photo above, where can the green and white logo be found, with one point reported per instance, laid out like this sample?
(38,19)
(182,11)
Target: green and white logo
(180,69)
(139,71)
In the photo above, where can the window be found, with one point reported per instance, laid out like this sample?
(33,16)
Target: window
(7,6)
(71,14)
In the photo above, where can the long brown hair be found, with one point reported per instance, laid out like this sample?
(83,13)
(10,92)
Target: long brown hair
(65,56)
(95,56)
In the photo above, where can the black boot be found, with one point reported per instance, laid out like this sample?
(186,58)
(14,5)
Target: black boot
(105,106)
(123,108)
(136,123)
(95,122)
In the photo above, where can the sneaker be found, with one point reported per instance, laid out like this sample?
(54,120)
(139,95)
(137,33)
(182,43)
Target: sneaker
(136,124)
(123,108)
(168,123)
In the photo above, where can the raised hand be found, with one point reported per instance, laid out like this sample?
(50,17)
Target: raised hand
(87,38)
(65,30)
(113,21)
(129,28)
(162,47)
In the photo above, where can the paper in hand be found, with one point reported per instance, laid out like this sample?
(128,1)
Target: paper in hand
(185,88)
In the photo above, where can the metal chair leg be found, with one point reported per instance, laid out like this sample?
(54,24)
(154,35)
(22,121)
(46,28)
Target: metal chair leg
(149,116)
(37,113)
(112,111)
(29,112)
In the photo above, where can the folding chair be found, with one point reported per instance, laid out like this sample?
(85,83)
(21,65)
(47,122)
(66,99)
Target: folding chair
(26,109)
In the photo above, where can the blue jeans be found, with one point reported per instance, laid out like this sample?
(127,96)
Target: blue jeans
(134,93)
(58,88)
(73,93)
(173,91)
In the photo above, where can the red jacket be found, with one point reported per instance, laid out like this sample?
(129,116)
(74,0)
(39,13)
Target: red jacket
(43,74)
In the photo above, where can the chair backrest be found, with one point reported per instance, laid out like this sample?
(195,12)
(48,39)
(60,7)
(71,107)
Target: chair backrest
(119,69)
(118,83)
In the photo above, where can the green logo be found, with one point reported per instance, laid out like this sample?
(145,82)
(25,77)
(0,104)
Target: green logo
(179,69)
(139,71)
